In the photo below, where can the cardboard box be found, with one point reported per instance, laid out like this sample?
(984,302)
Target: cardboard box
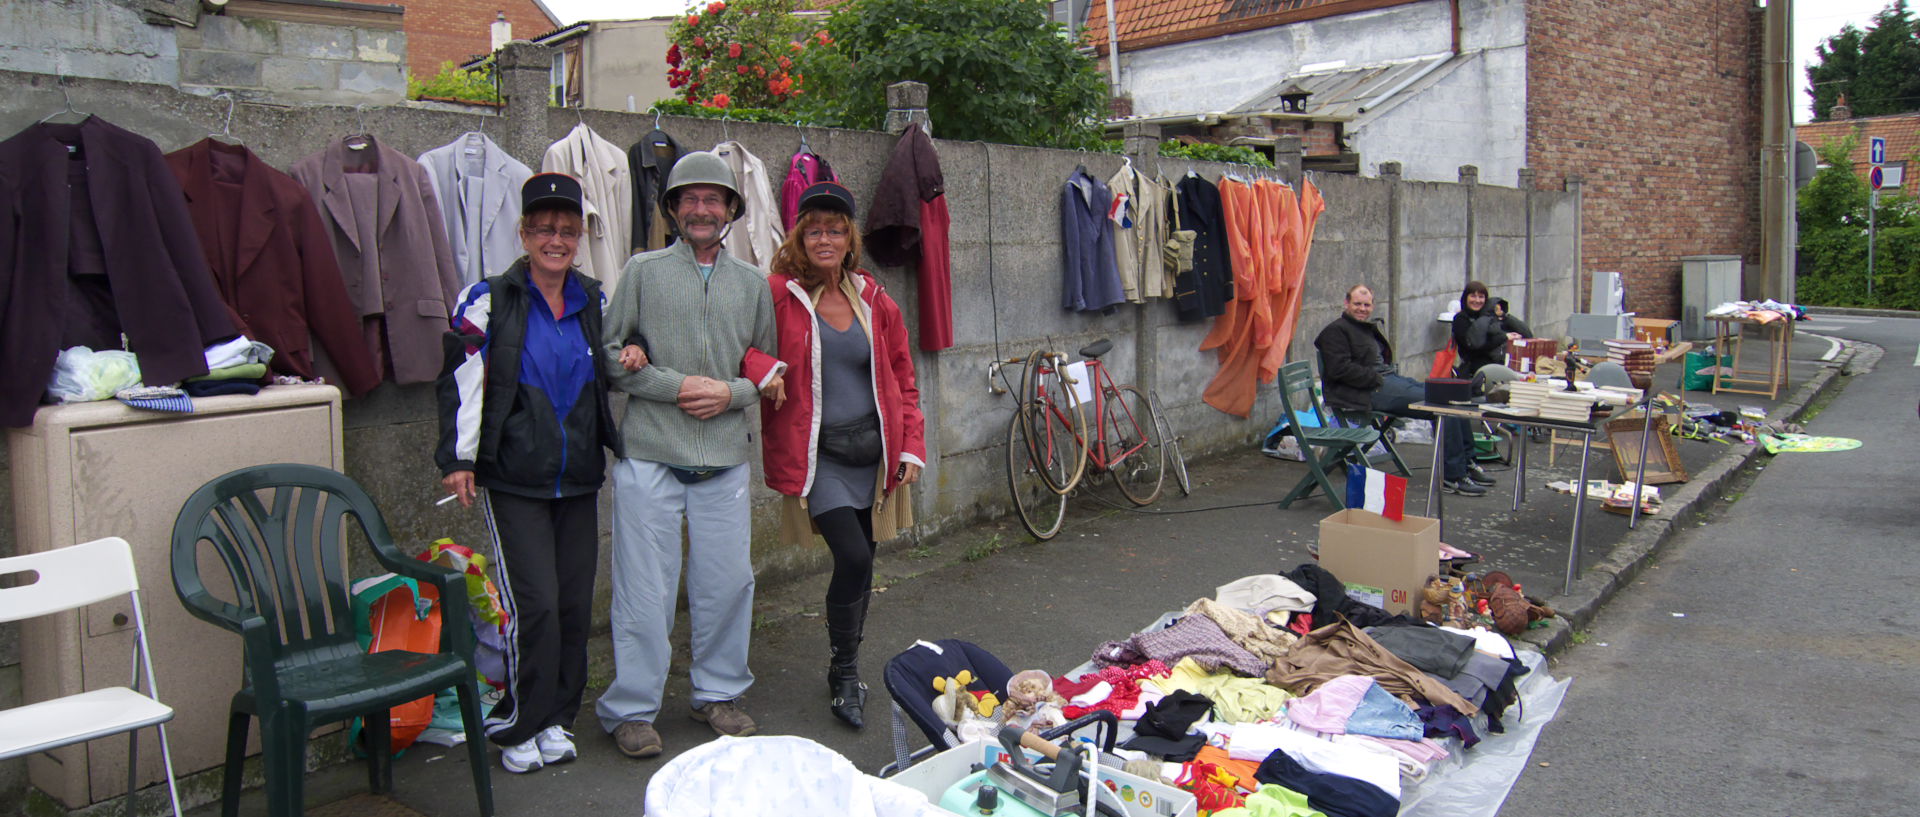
(1378,558)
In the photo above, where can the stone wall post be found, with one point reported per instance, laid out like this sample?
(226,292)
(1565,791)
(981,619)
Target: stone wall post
(907,103)
(1390,173)
(1470,178)
(1526,260)
(524,71)
(1288,151)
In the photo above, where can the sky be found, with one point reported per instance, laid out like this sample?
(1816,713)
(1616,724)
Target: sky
(1814,21)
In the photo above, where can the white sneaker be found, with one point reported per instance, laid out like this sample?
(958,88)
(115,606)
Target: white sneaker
(523,758)
(556,745)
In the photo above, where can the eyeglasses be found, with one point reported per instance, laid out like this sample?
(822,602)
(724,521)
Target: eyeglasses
(712,200)
(817,233)
(547,234)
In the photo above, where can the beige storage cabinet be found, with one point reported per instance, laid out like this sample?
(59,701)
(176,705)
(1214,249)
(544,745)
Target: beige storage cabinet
(89,470)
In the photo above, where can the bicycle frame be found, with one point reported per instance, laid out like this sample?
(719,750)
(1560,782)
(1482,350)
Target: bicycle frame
(1099,453)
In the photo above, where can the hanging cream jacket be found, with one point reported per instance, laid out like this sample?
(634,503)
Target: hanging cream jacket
(756,234)
(607,182)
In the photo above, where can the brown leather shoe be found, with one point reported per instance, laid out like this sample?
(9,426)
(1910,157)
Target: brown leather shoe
(637,739)
(727,718)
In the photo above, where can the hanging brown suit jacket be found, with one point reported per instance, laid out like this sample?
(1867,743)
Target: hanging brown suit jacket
(163,297)
(404,308)
(272,260)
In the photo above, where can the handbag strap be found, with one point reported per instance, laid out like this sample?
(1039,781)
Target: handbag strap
(1173,195)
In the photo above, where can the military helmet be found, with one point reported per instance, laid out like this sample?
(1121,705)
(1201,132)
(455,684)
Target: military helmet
(702,167)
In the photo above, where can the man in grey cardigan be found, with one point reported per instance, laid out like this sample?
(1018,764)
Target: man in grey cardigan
(681,322)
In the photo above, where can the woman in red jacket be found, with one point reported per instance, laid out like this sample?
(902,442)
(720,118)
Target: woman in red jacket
(846,438)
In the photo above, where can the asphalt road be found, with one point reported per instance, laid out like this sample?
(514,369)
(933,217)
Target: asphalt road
(1768,662)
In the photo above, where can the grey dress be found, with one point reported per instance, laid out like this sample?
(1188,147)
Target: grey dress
(846,393)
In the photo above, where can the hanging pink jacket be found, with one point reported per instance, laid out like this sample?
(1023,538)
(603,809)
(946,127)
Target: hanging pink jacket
(803,171)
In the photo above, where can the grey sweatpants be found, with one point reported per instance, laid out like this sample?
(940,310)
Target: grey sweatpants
(648,505)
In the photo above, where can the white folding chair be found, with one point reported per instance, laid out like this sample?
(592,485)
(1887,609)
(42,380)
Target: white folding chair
(70,578)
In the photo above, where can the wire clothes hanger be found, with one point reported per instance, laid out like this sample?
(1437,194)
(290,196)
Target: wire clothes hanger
(226,125)
(655,110)
(67,104)
(359,139)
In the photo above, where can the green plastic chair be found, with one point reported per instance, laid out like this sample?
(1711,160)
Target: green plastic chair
(1333,444)
(303,665)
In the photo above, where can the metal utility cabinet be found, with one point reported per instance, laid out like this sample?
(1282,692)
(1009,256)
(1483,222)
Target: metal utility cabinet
(89,470)
(1706,281)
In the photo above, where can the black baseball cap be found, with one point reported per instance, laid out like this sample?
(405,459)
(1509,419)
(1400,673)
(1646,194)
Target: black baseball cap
(552,191)
(827,196)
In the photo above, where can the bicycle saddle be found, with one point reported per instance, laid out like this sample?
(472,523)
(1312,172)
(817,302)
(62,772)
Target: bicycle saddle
(1096,348)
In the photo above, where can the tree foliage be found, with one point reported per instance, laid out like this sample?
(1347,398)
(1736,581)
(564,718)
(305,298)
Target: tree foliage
(996,70)
(1833,238)
(1878,70)
(737,54)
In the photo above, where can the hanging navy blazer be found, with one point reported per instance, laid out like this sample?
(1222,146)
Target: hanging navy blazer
(1204,292)
(1091,281)
(162,297)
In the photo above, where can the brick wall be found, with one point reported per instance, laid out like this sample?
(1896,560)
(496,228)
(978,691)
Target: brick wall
(441,30)
(1316,138)
(1655,104)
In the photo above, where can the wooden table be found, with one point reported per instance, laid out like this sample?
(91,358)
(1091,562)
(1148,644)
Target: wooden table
(1729,334)
(1586,432)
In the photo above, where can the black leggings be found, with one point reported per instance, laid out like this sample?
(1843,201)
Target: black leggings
(849,535)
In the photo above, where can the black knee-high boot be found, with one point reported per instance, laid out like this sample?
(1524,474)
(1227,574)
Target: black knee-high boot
(845,622)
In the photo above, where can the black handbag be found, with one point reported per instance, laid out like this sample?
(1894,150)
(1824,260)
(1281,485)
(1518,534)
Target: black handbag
(854,442)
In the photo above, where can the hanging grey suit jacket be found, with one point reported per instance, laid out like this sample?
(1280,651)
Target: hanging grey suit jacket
(404,308)
(448,169)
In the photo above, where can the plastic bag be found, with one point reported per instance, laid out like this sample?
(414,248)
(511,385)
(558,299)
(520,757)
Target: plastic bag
(82,375)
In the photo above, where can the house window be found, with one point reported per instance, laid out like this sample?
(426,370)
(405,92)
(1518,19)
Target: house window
(558,78)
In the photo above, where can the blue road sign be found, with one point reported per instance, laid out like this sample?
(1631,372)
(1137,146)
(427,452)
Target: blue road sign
(1877,150)
(1876,177)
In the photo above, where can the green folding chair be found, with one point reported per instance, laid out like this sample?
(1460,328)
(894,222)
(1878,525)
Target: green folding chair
(1324,446)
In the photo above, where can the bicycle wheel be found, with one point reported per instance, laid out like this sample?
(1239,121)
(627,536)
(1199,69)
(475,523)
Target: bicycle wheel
(1058,422)
(1176,462)
(1041,508)
(1131,432)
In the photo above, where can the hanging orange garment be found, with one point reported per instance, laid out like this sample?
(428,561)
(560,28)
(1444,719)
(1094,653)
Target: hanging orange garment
(1235,199)
(1310,206)
(1234,387)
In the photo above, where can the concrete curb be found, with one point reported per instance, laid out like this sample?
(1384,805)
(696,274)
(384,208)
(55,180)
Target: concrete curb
(1862,312)
(1599,582)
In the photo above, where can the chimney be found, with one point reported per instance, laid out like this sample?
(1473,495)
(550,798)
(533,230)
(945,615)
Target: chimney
(502,30)
(1840,109)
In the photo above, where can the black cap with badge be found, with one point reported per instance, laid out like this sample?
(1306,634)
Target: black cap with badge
(827,196)
(551,191)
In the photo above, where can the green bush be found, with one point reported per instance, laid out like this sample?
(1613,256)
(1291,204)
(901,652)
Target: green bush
(1832,264)
(1208,152)
(452,83)
(681,107)
(996,70)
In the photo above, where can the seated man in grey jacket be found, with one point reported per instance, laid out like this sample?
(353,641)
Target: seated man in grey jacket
(1357,373)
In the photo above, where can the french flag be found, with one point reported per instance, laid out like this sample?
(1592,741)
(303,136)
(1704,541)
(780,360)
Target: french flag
(1377,491)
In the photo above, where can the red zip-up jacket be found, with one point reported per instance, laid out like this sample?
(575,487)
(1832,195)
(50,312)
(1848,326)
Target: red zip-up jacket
(790,435)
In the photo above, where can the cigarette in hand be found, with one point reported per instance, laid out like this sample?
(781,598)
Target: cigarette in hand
(446,499)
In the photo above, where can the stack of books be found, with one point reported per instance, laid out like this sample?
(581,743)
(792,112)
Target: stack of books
(1568,406)
(1524,399)
(1523,354)
(1632,355)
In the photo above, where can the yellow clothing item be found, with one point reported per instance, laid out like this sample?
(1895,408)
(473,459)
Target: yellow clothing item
(1272,801)
(1236,699)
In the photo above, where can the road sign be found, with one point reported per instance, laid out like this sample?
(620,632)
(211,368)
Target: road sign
(1877,150)
(1876,178)
(1893,176)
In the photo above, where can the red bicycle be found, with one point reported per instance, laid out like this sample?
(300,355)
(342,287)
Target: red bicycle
(1049,446)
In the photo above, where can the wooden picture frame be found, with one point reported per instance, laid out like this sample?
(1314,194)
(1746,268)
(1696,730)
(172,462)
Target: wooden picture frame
(1663,460)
